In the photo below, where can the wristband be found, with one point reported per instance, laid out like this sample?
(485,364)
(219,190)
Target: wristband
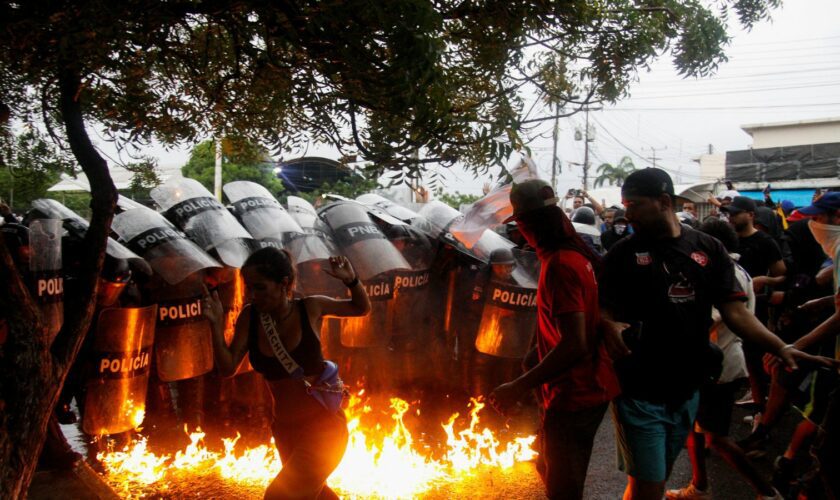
(352,283)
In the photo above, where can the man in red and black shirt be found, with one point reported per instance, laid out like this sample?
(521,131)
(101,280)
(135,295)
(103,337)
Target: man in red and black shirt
(574,373)
(663,280)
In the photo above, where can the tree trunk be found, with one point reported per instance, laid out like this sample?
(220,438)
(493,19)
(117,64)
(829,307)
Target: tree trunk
(32,373)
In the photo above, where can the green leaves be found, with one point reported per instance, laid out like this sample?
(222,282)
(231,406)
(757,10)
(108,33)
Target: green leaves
(377,79)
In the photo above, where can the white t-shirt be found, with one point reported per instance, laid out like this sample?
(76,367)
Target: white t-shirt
(734,364)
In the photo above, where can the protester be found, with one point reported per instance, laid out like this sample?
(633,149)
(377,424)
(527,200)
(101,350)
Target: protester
(689,207)
(717,400)
(658,287)
(309,432)
(618,230)
(762,258)
(574,371)
(825,227)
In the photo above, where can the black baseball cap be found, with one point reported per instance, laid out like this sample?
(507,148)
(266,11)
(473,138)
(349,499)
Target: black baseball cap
(649,182)
(739,204)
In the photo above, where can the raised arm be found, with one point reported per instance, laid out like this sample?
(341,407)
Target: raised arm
(227,357)
(357,305)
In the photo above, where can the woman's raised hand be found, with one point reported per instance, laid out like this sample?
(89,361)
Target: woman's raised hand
(340,268)
(212,306)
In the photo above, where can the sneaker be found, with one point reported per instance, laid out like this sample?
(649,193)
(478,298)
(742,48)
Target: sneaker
(746,399)
(690,492)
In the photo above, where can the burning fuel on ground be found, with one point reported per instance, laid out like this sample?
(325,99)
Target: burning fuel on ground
(383,460)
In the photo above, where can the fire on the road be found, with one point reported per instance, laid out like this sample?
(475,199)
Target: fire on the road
(379,462)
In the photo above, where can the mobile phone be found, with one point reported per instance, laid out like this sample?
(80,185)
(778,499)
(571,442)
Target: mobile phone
(571,192)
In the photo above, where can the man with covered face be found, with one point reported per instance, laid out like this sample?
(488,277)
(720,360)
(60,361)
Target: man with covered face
(574,372)
(825,226)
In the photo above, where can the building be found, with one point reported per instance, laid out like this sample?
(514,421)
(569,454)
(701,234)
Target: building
(794,158)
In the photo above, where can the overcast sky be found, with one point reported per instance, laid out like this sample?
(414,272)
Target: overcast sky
(784,70)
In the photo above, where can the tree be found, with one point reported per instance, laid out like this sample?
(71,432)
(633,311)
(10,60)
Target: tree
(610,174)
(29,165)
(457,199)
(350,187)
(241,161)
(388,80)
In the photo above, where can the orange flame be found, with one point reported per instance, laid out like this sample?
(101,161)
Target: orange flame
(377,463)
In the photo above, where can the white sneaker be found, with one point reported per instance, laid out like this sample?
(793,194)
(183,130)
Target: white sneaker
(690,492)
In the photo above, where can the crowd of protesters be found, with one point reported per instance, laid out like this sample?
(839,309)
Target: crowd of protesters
(683,311)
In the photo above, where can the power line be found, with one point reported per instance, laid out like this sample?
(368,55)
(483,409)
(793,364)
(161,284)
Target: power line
(741,91)
(726,108)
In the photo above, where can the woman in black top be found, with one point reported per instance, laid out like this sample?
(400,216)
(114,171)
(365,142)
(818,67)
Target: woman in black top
(310,439)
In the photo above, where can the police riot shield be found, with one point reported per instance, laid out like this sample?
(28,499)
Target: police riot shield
(261,214)
(311,250)
(192,208)
(115,399)
(391,208)
(509,316)
(361,240)
(47,281)
(183,343)
(170,255)
(373,329)
(78,227)
(435,218)
(412,311)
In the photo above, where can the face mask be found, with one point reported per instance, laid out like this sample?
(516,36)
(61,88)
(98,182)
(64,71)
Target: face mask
(827,235)
(620,228)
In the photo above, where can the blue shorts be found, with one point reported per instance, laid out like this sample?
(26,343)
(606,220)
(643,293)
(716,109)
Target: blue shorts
(650,436)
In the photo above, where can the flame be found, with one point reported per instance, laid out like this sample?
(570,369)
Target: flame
(382,463)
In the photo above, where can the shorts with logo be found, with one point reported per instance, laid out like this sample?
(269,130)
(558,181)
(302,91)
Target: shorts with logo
(651,435)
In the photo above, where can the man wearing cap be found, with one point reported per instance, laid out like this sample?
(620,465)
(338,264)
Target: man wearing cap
(825,226)
(574,373)
(617,230)
(663,280)
(761,257)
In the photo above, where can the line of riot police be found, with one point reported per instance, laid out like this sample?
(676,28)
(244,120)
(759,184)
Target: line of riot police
(445,319)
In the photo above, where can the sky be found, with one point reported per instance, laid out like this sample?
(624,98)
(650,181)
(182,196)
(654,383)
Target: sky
(787,69)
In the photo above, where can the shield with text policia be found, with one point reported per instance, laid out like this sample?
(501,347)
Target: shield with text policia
(376,261)
(204,220)
(509,315)
(115,399)
(311,250)
(183,347)
(46,278)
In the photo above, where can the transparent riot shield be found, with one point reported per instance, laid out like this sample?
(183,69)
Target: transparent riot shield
(361,240)
(183,344)
(261,214)
(170,255)
(115,399)
(311,250)
(47,280)
(192,208)
(374,328)
(78,227)
(509,315)
(391,208)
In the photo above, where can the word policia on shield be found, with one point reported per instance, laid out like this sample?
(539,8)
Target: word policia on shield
(445,327)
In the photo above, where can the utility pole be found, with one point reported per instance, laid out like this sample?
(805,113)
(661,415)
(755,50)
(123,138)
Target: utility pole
(217,184)
(554,160)
(653,151)
(587,140)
